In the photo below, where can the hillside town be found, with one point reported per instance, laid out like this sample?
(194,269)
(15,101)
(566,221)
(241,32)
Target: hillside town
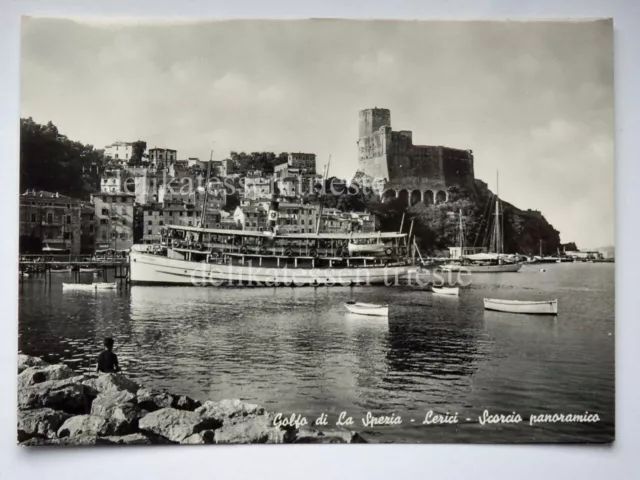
(136,201)
(126,193)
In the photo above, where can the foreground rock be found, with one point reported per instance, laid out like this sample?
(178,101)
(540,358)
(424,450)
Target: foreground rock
(151,400)
(91,425)
(65,395)
(226,410)
(120,408)
(256,429)
(58,407)
(26,361)
(42,422)
(111,382)
(176,425)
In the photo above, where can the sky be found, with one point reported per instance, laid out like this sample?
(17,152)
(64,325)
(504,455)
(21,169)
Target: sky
(533,100)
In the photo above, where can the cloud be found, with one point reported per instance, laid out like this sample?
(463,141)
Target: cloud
(533,100)
(375,64)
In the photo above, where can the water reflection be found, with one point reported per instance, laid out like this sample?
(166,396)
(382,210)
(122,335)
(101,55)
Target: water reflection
(299,350)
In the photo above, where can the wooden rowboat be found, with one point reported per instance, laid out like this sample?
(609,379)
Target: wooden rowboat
(368,309)
(544,307)
(90,286)
(88,270)
(371,248)
(449,291)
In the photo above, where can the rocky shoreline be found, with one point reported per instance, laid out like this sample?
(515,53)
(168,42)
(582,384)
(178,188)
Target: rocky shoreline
(57,406)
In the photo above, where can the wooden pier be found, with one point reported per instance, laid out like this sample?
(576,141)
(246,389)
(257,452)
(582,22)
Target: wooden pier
(48,264)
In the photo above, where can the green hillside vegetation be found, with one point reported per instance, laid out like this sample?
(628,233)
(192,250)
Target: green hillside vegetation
(50,161)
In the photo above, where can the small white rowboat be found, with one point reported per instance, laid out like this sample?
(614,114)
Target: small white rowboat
(88,270)
(89,286)
(371,248)
(368,309)
(449,291)
(545,307)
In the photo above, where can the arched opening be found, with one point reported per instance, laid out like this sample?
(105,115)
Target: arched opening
(441,197)
(428,197)
(388,195)
(416,196)
(403,196)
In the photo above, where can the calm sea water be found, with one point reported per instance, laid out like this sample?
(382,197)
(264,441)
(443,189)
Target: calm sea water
(297,350)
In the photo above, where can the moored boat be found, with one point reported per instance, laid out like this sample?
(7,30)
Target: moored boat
(355,248)
(90,286)
(447,291)
(214,257)
(494,261)
(372,309)
(88,270)
(539,307)
(482,268)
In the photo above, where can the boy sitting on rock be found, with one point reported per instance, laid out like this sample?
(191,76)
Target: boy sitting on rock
(107,360)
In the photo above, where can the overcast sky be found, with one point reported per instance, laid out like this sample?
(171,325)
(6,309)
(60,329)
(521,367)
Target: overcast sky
(533,100)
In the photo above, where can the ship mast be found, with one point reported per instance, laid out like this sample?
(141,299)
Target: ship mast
(206,191)
(324,184)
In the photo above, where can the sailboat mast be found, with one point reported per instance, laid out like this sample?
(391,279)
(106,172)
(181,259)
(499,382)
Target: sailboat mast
(498,243)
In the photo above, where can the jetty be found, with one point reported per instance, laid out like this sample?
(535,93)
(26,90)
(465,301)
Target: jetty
(57,406)
(46,264)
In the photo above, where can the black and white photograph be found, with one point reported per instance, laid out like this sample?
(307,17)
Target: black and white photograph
(316,231)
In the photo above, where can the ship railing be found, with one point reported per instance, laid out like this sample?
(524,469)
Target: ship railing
(283,251)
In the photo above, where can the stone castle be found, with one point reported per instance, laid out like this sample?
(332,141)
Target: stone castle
(414,173)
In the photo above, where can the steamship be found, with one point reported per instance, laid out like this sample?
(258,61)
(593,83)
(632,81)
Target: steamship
(217,257)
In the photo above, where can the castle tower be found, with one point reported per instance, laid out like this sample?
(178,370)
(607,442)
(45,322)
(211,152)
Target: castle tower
(371,119)
(374,141)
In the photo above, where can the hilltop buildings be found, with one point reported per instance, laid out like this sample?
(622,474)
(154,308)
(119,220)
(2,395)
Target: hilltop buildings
(119,151)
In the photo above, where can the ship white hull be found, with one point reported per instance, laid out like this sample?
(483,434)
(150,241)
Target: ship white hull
(152,269)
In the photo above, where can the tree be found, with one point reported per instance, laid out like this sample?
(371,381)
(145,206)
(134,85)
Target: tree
(50,161)
(137,152)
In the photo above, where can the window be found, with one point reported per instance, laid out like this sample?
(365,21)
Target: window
(104,235)
(33,218)
(67,235)
(123,236)
(49,217)
(105,211)
(149,232)
(150,222)
(103,221)
(124,222)
(68,219)
(161,222)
